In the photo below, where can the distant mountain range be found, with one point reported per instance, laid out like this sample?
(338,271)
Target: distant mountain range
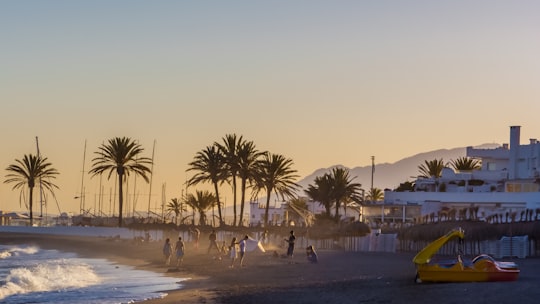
(390,175)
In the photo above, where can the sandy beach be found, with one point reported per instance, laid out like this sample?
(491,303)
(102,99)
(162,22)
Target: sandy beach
(339,277)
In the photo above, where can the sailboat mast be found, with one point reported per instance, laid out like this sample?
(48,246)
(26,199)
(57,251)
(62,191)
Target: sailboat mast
(151,174)
(372,172)
(81,197)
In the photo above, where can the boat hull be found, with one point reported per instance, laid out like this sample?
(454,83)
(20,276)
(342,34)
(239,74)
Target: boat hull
(481,270)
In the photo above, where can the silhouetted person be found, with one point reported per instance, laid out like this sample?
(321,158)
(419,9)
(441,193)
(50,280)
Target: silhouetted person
(167,251)
(213,241)
(290,249)
(243,247)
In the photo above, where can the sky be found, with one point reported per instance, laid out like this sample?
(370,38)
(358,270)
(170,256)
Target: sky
(323,83)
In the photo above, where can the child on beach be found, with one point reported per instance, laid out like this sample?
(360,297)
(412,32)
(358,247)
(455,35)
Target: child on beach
(311,255)
(233,248)
(167,250)
(290,249)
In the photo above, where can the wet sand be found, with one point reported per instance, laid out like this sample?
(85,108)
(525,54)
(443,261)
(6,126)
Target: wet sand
(339,277)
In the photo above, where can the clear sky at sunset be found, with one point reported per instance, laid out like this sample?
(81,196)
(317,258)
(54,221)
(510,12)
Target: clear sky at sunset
(320,82)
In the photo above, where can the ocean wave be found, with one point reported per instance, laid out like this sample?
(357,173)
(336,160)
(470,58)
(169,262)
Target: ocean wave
(48,276)
(14,251)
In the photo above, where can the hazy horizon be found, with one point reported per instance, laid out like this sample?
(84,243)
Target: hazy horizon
(323,83)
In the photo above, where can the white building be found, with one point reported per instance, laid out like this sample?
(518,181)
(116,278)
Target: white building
(508,182)
(278,213)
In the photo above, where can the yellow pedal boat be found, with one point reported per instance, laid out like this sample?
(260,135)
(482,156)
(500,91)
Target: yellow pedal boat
(482,268)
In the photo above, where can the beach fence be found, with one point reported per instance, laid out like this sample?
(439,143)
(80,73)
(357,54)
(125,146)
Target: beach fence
(507,247)
(374,242)
(104,232)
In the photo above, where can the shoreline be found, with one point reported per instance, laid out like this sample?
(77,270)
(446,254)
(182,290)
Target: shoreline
(339,277)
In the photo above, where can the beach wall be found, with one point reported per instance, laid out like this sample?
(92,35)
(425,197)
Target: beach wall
(106,232)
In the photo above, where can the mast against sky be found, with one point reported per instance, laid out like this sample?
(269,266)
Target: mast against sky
(40,185)
(151,174)
(372,172)
(81,197)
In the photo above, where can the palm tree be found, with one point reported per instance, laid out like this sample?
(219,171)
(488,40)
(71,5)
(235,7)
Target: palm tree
(343,188)
(247,159)
(321,192)
(274,173)
(432,168)
(176,206)
(229,149)
(121,155)
(405,186)
(210,167)
(201,202)
(466,164)
(375,194)
(27,172)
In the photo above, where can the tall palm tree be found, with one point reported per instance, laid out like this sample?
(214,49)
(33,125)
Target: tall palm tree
(274,173)
(176,206)
(121,155)
(343,188)
(321,192)
(466,164)
(229,148)
(432,168)
(375,194)
(201,202)
(247,159)
(210,166)
(30,170)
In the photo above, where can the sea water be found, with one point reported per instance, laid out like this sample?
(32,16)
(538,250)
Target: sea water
(29,274)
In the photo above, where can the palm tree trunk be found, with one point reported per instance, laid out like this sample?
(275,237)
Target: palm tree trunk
(328,210)
(266,208)
(202,218)
(242,202)
(337,211)
(30,205)
(218,204)
(234,199)
(120,199)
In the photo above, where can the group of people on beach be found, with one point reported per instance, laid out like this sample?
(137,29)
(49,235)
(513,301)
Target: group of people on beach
(179,250)
(236,249)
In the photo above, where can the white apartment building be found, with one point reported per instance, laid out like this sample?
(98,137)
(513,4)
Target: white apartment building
(508,182)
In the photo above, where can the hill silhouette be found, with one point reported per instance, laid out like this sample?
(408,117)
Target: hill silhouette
(390,175)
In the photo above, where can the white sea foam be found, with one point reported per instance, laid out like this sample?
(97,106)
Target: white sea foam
(14,251)
(50,275)
(29,274)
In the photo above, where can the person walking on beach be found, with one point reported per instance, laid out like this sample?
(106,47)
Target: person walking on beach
(264,237)
(179,249)
(195,236)
(233,251)
(213,241)
(243,245)
(290,249)
(167,251)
